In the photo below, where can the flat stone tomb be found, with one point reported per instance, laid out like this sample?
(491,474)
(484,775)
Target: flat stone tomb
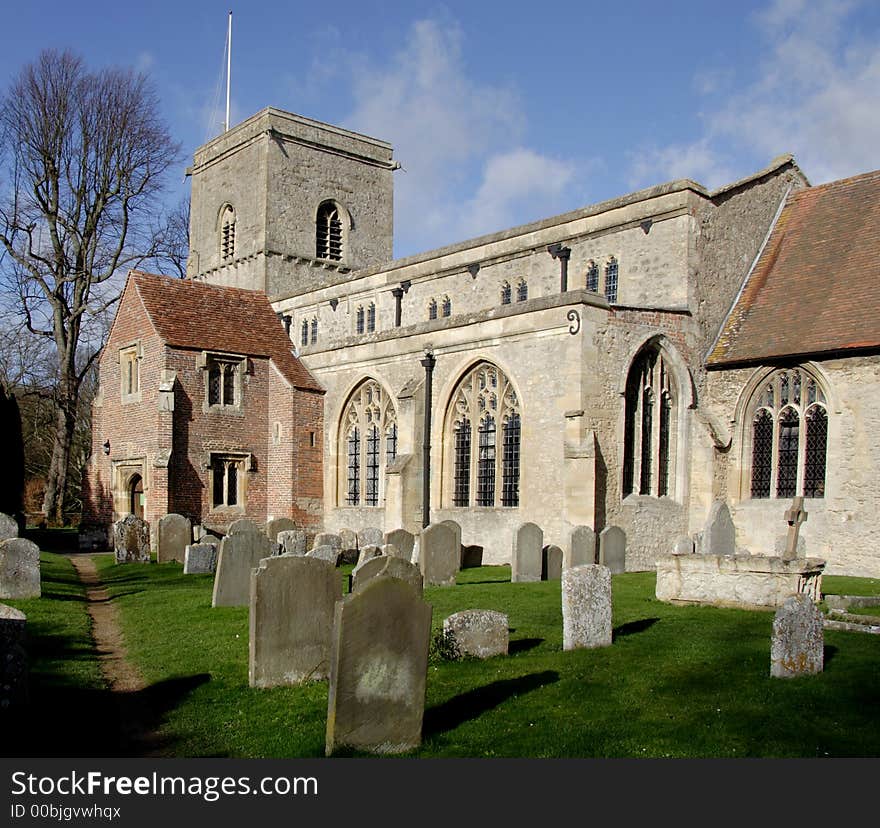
(174,535)
(586,607)
(238,555)
(379,665)
(19,569)
(200,559)
(479,633)
(439,555)
(797,647)
(525,562)
(131,540)
(292,602)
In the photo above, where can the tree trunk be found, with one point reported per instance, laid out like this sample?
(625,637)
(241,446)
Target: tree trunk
(56,483)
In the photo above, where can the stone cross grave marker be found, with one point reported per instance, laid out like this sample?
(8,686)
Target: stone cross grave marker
(795,517)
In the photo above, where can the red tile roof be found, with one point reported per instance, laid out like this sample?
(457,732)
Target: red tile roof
(204,317)
(815,288)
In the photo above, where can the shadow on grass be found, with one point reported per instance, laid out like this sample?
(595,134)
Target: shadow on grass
(474,703)
(633,627)
(523,645)
(829,651)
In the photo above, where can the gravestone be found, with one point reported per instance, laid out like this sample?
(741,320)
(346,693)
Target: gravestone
(416,553)
(683,546)
(281,524)
(370,537)
(292,541)
(795,516)
(367,553)
(239,554)
(19,568)
(612,549)
(327,539)
(719,534)
(292,601)
(390,550)
(349,540)
(525,562)
(586,607)
(798,643)
(379,666)
(131,540)
(8,527)
(13,658)
(439,555)
(456,529)
(479,633)
(551,563)
(581,547)
(200,559)
(404,542)
(388,567)
(325,552)
(242,526)
(471,556)
(174,535)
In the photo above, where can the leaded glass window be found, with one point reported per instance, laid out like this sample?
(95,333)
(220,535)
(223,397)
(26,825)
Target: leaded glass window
(611,274)
(789,436)
(592,277)
(226,479)
(314,329)
(222,381)
(522,291)
(359,320)
(432,309)
(371,318)
(368,434)
(304,337)
(446,307)
(484,402)
(505,293)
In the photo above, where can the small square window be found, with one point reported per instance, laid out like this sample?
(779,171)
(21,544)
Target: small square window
(223,381)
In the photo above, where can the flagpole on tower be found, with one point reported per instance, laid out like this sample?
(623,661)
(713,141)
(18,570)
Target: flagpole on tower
(228,68)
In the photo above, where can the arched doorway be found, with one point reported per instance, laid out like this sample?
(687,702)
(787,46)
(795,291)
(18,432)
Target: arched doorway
(136,496)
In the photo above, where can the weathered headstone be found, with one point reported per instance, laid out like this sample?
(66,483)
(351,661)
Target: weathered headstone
(367,553)
(586,607)
(581,547)
(292,541)
(239,554)
(403,540)
(479,633)
(797,647)
(416,552)
(719,534)
(612,549)
(390,550)
(242,526)
(525,562)
(281,524)
(456,529)
(439,555)
(131,540)
(19,568)
(389,567)
(13,658)
(8,527)
(327,539)
(349,540)
(200,559)
(379,666)
(683,546)
(471,556)
(795,516)
(551,563)
(292,601)
(325,552)
(371,536)
(174,535)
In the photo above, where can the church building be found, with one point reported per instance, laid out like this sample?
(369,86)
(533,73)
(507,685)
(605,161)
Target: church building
(625,364)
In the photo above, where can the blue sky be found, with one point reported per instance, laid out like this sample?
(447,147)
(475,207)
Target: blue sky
(505,113)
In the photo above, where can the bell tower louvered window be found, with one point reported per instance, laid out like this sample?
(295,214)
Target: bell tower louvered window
(227,234)
(328,233)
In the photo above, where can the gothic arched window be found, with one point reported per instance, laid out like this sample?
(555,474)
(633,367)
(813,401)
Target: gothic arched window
(227,234)
(592,282)
(371,317)
(328,232)
(304,338)
(446,306)
(788,436)
(505,293)
(483,449)
(522,291)
(432,309)
(314,330)
(650,425)
(367,443)
(611,274)
(359,320)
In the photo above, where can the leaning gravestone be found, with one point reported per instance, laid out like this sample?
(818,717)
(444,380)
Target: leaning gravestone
(798,644)
(19,568)
(719,534)
(612,549)
(439,555)
(174,534)
(370,537)
(551,563)
(586,607)
(391,568)
(242,526)
(471,556)
(404,542)
(325,552)
(281,524)
(292,602)
(239,554)
(292,541)
(131,540)
(379,666)
(200,559)
(13,658)
(525,563)
(478,633)
(8,527)
(581,547)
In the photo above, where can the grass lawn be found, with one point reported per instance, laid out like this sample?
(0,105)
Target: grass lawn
(677,682)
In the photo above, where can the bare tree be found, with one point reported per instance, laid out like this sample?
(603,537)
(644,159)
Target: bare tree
(172,237)
(85,154)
